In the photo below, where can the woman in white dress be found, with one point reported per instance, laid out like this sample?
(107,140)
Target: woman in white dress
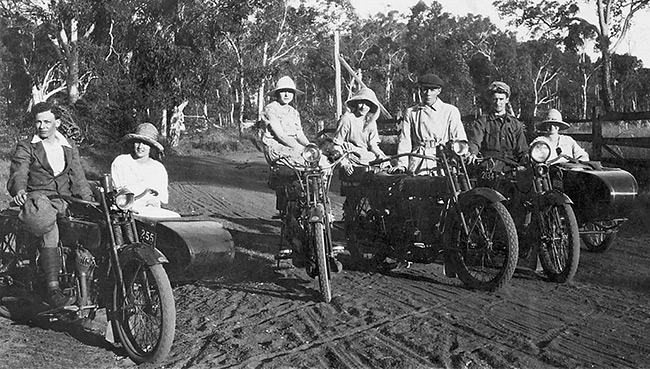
(140,172)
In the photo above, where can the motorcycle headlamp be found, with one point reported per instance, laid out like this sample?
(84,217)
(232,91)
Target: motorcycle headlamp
(311,153)
(539,152)
(460,147)
(124,199)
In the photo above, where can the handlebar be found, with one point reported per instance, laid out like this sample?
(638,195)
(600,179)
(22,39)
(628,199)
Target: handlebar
(301,168)
(73,199)
(409,154)
(513,165)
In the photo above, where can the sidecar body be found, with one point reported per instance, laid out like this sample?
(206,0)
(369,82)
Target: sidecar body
(598,193)
(195,246)
(602,198)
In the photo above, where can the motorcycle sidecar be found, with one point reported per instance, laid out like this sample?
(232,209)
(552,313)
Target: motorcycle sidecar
(602,197)
(195,246)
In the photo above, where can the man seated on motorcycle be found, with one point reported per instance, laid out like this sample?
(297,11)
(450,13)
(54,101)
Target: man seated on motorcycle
(46,164)
(497,133)
(425,126)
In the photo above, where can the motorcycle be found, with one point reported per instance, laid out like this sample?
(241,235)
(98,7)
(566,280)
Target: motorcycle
(104,265)
(416,218)
(546,221)
(307,215)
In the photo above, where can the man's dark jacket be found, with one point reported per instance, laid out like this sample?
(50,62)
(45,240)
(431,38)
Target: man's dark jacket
(497,136)
(30,171)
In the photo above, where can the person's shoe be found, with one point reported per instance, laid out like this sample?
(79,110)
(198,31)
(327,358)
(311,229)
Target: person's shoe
(56,299)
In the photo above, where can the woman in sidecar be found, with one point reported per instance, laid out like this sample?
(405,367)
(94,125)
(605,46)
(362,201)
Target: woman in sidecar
(141,172)
(357,129)
(600,195)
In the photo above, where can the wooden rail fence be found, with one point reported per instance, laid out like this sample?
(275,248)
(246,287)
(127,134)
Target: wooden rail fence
(599,144)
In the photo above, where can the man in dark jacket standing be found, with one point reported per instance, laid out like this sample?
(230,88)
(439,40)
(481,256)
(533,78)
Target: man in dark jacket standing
(46,164)
(497,133)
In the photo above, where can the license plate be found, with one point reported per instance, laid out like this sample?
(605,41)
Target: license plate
(148,237)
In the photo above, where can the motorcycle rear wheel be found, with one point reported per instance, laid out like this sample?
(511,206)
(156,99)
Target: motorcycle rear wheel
(486,258)
(145,320)
(321,263)
(559,248)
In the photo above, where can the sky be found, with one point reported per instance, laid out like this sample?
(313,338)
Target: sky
(635,43)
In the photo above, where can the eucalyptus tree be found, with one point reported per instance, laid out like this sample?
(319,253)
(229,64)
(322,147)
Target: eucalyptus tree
(432,48)
(562,20)
(65,24)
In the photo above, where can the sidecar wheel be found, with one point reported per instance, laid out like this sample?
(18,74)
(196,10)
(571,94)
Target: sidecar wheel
(559,248)
(486,258)
(355,213)
(599,242)
(144,319)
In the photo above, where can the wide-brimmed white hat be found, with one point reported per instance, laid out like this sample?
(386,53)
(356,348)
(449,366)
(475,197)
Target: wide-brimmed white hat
(283,84)
(148,133)
(554,117)
(364,94)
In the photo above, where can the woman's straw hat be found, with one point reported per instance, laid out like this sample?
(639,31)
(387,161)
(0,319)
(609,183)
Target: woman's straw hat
(554,117)
(148,133)
(283,84)
(364,94)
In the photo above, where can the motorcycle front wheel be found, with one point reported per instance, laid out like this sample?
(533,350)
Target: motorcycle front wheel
(559,248)
(486,256)
(321,263)
(144,319)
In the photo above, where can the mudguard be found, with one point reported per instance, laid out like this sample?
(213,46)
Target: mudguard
(143,252)
(485,192)
(552,198)
(193,245)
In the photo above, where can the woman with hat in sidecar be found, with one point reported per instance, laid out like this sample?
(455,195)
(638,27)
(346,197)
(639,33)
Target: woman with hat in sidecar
(141,172)
(560,144)
(357,129)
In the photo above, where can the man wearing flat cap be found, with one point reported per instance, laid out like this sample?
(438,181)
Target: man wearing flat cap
(426,125)
(497,133)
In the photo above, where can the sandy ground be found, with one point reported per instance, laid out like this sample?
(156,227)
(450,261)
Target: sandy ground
(253,314)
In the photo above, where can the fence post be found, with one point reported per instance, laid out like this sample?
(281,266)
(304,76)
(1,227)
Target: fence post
(597,135)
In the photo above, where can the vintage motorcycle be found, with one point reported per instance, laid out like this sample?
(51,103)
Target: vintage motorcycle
(409,218)
(546,221)
(104,265)
(307,215)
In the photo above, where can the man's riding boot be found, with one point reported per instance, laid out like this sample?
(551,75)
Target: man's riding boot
(50,261)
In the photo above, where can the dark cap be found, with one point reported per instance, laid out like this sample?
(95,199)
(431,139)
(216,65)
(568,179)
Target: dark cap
(430,81)
(499,87)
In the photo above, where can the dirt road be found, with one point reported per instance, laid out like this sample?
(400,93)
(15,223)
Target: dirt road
(254,315)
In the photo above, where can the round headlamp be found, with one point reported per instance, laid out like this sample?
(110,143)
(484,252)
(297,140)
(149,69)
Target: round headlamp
(124,199)
(539,152)
(460,147)
(311,153)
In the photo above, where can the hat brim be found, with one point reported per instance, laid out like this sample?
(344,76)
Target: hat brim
(294,90)
(560,124)
(353,100)
(133,137)
(429,85)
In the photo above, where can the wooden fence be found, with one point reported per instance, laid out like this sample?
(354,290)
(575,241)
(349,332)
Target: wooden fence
(599,144)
